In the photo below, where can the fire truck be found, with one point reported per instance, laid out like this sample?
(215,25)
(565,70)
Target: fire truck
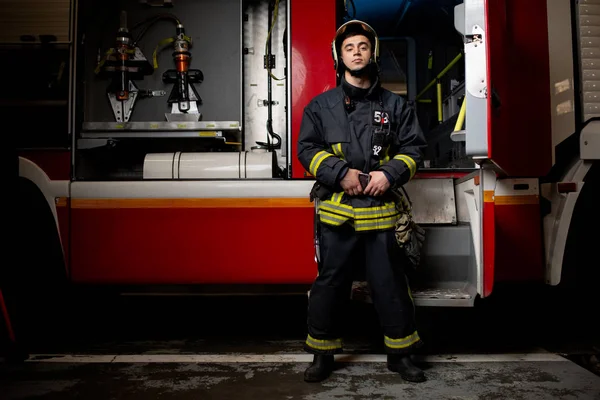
(157,152)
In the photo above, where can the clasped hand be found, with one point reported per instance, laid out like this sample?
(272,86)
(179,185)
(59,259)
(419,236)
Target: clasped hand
(377,186)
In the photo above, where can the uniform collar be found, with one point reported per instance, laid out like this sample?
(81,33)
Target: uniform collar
(356,93)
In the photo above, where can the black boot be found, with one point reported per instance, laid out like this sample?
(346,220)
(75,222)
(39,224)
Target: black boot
(320,369)
(403,365)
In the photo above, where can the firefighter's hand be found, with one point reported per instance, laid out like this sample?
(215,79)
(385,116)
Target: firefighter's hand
(350,183)
(378,184)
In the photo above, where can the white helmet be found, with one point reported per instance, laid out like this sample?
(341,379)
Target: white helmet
(354,26)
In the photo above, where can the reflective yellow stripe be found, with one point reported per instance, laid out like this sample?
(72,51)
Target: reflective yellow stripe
(378,212)
(375,224)
(337,150)
(331,219)
(386,210)
(332,212)
(337,198)
(361,225)
(323,344)
(403,342)
(317,160)
(338,209)
(412,165)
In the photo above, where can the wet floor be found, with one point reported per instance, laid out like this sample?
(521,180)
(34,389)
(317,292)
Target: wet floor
(251,348)
(462,379)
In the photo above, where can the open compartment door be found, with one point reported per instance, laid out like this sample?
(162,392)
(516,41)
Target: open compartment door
(518,86)
(476,194)
(470,21)
(508,108)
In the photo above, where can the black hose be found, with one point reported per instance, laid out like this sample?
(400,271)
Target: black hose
(149,22)
(155,17)
(277,139)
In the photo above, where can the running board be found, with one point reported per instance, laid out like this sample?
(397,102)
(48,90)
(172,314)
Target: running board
(450,294)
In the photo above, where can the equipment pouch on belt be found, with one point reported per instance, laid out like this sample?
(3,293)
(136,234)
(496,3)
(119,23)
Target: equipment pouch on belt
(409,235)
(320,191)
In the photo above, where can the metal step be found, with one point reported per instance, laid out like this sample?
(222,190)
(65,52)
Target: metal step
(448,294)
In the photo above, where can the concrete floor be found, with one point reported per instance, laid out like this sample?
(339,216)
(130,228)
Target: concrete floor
(251,348)
(460,379)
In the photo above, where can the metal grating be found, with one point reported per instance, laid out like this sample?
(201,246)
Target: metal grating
(461,295)
(589,41)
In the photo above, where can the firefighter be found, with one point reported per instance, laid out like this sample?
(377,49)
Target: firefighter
(359,132)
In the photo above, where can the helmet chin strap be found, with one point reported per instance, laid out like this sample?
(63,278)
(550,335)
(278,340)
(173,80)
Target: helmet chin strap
(358,72)
(366,70)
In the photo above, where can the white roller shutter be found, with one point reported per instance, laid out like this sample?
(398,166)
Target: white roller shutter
(34,18)
(589,41)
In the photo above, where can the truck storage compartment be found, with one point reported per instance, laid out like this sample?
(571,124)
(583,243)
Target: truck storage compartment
(187,77)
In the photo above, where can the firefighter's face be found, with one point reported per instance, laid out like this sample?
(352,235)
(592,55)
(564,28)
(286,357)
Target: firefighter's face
(356,52)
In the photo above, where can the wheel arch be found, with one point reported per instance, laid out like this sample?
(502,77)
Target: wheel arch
(36,188)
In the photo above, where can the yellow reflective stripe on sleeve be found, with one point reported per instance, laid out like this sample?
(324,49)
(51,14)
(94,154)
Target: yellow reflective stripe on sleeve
(323,344)
(403,342)
(412,165)
(317,160)
(337,150)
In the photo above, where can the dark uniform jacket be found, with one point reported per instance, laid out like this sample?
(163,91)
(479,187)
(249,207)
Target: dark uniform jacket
(366,129)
